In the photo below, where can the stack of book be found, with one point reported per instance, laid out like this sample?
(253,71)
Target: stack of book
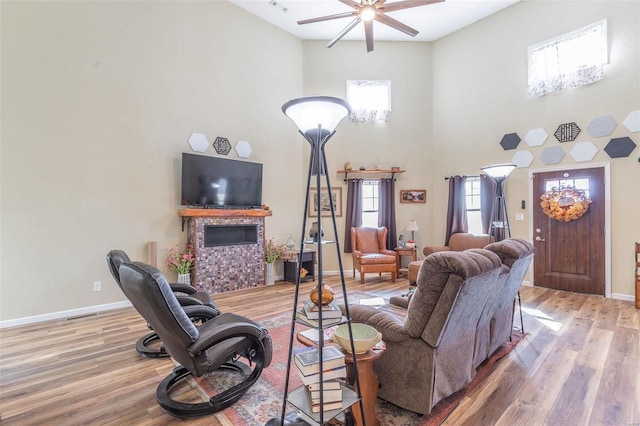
(308,365)
(331,313)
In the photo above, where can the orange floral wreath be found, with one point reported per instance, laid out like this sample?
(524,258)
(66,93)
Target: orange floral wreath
(564,205)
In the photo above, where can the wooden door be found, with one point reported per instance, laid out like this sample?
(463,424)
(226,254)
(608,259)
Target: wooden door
(570,255)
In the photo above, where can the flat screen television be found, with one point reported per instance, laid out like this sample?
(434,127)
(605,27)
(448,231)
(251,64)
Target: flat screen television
(213,182)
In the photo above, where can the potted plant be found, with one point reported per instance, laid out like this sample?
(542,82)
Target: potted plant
(272,253)
(182,262)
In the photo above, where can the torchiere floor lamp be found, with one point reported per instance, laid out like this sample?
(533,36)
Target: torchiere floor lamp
(499,228)
(316,118)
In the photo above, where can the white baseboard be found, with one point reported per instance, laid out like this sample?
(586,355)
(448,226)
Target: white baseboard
(626,297)
(64,314)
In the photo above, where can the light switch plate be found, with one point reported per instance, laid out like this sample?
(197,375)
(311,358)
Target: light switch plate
(519,216)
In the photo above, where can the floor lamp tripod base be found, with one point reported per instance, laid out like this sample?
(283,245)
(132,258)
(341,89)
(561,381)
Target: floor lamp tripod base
(290,419)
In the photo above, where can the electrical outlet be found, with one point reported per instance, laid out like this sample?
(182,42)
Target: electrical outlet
(519,216)
(97,285)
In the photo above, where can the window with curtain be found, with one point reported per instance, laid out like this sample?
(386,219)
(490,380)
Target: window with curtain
(370,203)
(472,201)
(370,100)
(570,60)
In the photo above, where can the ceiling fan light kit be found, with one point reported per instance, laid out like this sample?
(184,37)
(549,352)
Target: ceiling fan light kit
(368,11)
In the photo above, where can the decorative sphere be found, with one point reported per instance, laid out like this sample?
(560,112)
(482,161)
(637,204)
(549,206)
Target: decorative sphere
(327,295)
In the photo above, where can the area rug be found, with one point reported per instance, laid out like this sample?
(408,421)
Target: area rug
(264,400)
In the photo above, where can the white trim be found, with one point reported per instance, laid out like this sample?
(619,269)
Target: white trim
(64,314)
(626,297)
(607,214)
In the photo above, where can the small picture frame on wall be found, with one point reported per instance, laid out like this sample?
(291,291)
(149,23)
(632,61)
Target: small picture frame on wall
(413,195)
(325,207)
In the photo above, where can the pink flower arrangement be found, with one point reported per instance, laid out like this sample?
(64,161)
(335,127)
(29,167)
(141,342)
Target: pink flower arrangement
(180,261)
(273,251)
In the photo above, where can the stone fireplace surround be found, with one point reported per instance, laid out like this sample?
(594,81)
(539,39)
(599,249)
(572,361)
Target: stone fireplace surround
(235,266)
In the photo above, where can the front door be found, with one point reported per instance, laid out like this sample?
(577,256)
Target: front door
(570,255)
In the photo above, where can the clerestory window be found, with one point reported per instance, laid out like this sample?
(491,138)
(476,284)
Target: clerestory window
(370,100)
(570,60)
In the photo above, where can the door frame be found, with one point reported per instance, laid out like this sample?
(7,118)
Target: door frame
(607,213)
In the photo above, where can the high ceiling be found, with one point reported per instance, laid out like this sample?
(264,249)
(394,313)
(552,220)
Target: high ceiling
(432,21)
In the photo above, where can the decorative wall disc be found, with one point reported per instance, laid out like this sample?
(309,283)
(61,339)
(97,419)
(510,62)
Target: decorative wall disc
(222,145)
(564,205)
(567,132)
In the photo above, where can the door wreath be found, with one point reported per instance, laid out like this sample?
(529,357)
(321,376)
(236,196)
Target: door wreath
(564,205)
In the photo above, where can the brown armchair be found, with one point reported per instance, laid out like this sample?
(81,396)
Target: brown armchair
(370,252)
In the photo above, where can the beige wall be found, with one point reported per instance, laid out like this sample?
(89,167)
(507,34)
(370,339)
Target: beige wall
(98,101)
(480,76)
(99,98)
(404,141)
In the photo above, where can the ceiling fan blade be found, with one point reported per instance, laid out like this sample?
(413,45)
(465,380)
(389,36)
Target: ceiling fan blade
(343,32)
(354,4)
(368,34)
(406,4)
(395,24)
(328,18)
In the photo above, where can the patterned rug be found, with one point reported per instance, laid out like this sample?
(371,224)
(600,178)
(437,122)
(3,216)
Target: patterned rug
(264,400)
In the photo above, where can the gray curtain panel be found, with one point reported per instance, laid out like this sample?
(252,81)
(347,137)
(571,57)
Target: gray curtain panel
(353,216)
(487,197)
(457,208)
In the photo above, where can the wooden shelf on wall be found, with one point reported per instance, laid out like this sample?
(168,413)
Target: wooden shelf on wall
(370,172)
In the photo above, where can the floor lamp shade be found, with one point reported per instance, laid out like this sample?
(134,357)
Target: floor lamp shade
(313,112)
(499,171)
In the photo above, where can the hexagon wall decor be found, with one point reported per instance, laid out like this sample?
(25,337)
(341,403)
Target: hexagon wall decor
(567,132)
(222,145)
(601,126)
(620,147)
(522,158)
(632,122)
(536,137)
(198,142)
(243,149)
(510,141)
(552,155)
(583,151)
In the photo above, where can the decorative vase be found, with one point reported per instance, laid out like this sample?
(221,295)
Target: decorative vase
(184,279)
(313,232)
(271,274)
(327,295)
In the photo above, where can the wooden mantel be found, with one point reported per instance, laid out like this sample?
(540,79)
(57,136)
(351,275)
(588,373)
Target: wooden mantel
(185,213)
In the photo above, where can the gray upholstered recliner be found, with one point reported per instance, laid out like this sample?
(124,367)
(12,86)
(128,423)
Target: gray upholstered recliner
(431,345)
(198,305)
(218,343)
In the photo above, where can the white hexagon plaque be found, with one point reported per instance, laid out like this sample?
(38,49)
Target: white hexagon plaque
(632,122)
(522,159)
(198,142)
(243,149)
(583,151)
(536,137)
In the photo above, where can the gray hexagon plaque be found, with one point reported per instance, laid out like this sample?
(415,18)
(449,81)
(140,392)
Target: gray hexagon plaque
(601,126)
(620,147)
(552,155)
(510,141)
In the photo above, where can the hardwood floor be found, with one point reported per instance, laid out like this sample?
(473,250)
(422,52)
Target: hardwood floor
(579,365)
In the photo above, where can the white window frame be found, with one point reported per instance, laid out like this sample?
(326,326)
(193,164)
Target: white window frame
(364,109)
(570,60)
(473,182)
(376,204)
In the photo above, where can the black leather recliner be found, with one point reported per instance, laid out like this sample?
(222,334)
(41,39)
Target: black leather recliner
(198,306)
(218,343)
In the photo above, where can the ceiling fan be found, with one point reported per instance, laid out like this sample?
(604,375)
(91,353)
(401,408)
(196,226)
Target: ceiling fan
(369,10)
